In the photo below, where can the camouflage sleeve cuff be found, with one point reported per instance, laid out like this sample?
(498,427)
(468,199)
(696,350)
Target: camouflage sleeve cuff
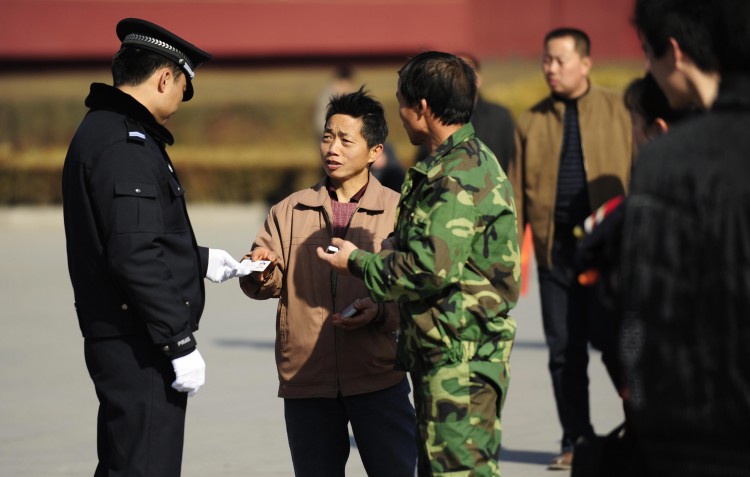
(356,263)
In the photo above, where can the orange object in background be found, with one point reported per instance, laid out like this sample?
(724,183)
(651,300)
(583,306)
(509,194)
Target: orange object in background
(527,248)
(589,277)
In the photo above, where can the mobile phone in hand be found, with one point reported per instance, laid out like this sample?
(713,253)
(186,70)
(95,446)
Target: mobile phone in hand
(349,311)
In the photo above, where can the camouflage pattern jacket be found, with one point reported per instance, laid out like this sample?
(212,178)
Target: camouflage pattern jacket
(455,269)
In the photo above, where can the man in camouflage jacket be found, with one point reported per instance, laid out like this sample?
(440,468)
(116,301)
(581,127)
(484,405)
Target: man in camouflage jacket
(453,266)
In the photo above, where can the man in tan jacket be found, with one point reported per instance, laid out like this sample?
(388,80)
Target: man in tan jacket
(335,369)
(574,152)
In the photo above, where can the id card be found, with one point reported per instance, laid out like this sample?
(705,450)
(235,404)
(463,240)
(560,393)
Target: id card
(248,266)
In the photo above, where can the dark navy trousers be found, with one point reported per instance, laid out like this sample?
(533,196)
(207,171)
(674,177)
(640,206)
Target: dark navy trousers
(383,424)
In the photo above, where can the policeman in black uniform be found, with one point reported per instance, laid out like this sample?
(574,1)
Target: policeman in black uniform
(136,269)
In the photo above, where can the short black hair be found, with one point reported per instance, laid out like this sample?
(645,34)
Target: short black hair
(580,38)
(360,104)
(644,97)
(446,82)
(132,66)
(690,22)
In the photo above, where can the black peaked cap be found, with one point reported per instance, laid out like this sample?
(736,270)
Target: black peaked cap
(144,34)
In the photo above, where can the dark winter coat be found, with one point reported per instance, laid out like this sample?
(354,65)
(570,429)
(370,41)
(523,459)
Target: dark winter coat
(686,283)
(134,263)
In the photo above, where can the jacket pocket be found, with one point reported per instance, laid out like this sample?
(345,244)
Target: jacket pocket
(174,216)
(136,208)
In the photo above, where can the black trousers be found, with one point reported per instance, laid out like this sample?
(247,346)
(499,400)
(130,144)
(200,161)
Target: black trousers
(573,317)
(141,420)
(383,424)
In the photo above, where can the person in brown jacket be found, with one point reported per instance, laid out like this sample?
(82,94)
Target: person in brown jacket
(574,152)
(335,369)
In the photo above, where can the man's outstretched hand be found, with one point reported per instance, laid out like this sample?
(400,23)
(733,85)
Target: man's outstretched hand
(338,260)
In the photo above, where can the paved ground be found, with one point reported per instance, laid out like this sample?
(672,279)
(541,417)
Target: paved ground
(235,424)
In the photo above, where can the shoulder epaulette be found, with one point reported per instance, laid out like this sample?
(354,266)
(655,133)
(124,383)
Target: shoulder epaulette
(136,132)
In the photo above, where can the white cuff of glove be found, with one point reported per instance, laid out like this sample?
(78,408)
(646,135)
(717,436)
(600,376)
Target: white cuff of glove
(190,373)
(221,266)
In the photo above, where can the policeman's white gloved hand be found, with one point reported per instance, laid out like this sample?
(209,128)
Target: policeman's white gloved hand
(190,373)
(221,265)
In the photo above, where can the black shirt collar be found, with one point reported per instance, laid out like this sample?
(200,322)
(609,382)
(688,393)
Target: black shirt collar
(332,191)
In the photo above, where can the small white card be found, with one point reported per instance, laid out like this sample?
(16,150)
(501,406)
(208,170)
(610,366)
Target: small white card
(248,266)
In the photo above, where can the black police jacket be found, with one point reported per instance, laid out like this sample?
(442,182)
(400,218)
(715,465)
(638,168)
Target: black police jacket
(133,260)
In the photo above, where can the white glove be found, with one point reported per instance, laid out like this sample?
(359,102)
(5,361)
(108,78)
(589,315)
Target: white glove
(221,265)
(190,373)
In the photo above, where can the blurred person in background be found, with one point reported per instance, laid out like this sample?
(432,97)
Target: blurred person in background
(337,370)
(453,266)
(136,269)
(686,247)
(597,256)
(651,114)
(388,170)
(574,152)
(341,83)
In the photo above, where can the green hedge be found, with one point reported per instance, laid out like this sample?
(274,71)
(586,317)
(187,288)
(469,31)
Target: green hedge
(37,185)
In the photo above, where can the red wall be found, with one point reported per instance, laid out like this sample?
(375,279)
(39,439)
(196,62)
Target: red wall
(246,29)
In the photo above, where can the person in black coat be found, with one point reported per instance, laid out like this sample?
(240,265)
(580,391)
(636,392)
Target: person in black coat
(686,247)
(136,269)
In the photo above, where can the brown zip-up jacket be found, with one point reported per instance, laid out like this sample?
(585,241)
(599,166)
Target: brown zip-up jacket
(313,358)
(607,143)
